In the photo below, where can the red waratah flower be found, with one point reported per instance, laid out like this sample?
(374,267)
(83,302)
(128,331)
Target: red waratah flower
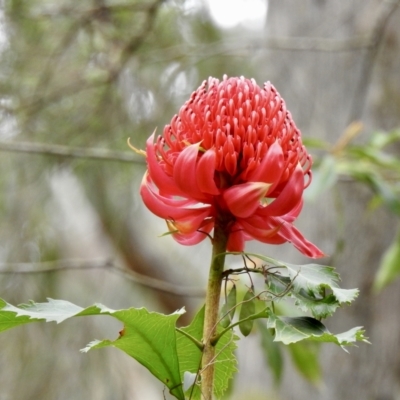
(232,152)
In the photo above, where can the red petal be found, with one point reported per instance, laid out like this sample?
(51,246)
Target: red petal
(164,182)
(231,163)
(265,235)
(185,172)
(244,199)
(190,224)
(205,173)
(293,235)
(290,196)
(271,167)
(191,239)
(294,213)
(165,208)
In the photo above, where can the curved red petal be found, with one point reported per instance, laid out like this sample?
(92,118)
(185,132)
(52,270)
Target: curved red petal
(244,199)
(294,236)
(290,196)
(189,224)
(185,172)
(196,237)
(265,235)
(294,212)
(271,167)
(205,173)
(164,182)
(164,208)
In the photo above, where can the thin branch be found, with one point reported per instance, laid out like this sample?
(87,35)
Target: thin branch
(235,48)
(93,11)
(109,265)
(70,152)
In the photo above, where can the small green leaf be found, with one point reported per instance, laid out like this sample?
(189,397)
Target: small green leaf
(305,358)
(390,266)
(247,309)
(308,284)
(315,287)
(190,356)
(292,330)
(316,143)
(320,307)
(229,308)
(272,352)
(148,337)
(382,139)
(313,278)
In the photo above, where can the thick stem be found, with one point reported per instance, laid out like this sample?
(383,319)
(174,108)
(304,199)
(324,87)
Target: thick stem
(211,309)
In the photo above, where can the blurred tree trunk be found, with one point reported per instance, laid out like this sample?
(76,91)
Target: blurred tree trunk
(332,81)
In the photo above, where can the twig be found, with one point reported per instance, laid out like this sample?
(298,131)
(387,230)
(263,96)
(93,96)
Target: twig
(198,344)
(76,264)
(70,152)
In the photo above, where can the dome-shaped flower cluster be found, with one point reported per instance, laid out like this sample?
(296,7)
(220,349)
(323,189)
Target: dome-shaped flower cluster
(232,153)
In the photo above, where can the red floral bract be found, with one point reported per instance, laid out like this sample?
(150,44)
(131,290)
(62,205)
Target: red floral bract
(233,151)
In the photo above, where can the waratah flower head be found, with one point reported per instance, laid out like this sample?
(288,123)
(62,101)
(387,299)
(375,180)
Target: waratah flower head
(232,152)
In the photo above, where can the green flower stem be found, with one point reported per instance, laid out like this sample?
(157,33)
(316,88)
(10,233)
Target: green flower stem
(211,309)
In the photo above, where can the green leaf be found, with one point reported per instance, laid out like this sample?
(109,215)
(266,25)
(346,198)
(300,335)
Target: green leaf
(305,358)
(320,307)
(190,356)
(313,278)
(229,308)
(272,352)
(308,286)
(390,266)
(316,143)
(247,309)
(382,139)
(367,174)
(324,177)
(148,337)
(292,330)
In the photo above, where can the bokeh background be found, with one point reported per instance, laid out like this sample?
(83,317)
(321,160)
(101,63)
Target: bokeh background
(78,78)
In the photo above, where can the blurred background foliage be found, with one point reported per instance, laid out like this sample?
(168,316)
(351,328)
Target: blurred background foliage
(78,78)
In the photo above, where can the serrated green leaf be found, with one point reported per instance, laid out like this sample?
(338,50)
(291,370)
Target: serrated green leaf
(390,266)
(148,337)
(190,356)
(247,309)
(320,308)
(309,283)
(292,330)
(272,352)
(313,278)
(229,308)
(305,358)
(278,284)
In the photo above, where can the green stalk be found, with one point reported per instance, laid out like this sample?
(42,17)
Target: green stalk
(212,307)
